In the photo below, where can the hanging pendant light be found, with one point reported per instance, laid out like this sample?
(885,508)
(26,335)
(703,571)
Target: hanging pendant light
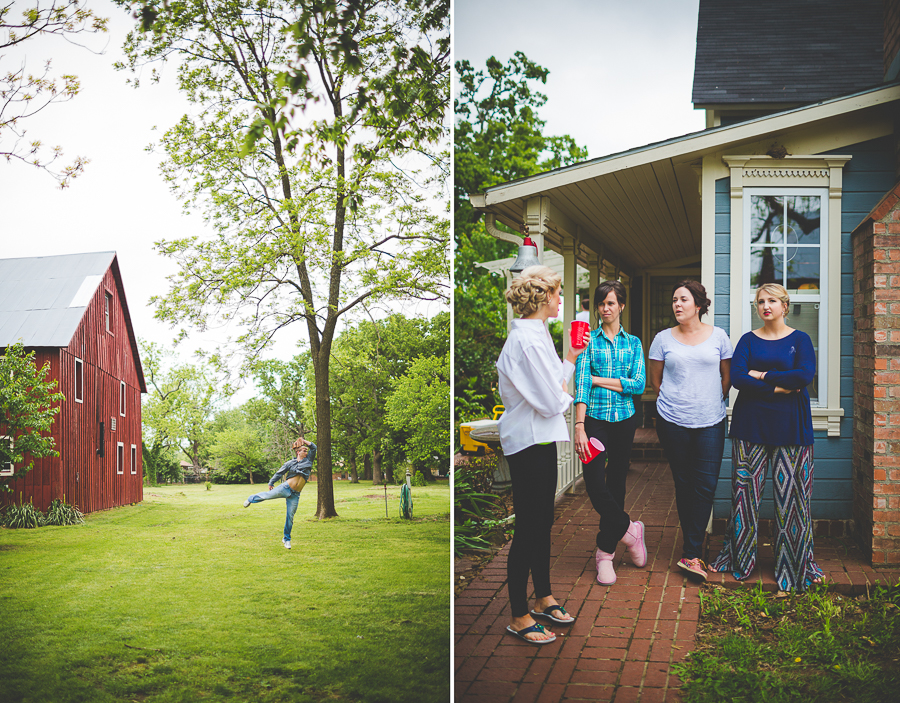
(527,256)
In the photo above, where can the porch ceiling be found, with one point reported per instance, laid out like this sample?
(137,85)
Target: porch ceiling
(641,208)
(634,218)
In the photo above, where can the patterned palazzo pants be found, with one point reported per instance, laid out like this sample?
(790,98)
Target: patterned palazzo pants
(792,471)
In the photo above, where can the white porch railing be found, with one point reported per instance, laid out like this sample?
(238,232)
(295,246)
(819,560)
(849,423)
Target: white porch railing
(567,461)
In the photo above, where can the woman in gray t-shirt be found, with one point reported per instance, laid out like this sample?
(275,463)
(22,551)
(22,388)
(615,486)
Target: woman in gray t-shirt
(689,368)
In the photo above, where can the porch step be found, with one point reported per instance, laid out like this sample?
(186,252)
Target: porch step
(646,446)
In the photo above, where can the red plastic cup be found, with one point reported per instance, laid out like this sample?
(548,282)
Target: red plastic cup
(595,446)
(576,333)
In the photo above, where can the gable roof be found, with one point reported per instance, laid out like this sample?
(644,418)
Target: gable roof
(786,52)
(44,298)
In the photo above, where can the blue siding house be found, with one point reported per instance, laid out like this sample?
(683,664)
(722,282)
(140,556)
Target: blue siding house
(801,102)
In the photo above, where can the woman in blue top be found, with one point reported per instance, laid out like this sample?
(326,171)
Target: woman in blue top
(772,422)
(689,369)
(607,377)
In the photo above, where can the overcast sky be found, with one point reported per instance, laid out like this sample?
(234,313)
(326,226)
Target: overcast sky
(120,203)
(620,72)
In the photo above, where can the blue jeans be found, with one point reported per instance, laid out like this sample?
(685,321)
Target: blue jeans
(695,458)
(283,490)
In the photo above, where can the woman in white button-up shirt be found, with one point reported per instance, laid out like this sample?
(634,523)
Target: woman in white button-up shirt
(532,387)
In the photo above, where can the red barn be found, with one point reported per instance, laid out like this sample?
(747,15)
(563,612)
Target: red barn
(71,311)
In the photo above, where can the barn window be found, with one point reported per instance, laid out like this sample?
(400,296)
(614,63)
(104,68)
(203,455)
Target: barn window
(122,398)
(7,468)
(79,381)
(120,458)
(108,306)
(133,459)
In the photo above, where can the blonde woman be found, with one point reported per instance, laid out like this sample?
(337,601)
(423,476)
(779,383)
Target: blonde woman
(772,423)
(295,473)
(532,387)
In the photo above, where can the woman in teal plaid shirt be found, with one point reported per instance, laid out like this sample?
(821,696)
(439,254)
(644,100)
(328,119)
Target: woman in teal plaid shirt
(607,377)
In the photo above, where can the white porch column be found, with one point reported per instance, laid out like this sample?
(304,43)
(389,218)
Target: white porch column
(567,457)
(593,282)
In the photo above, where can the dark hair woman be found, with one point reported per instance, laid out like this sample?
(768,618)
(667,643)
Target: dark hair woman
(689,368)
(607,378)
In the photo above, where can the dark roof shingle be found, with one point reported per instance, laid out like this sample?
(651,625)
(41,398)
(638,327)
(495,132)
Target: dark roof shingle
(786,51)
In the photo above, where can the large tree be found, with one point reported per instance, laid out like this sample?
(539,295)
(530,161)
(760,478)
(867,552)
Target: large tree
(28,404)
(24,94)
(498,138)
(181,402)
(368,360)
(328,210)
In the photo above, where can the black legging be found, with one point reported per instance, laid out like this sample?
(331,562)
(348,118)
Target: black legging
(604,478)
(534,474)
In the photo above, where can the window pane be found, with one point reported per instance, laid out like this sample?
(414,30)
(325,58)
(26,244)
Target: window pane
(766,222)
(766,265)
(804,218)
(803,269)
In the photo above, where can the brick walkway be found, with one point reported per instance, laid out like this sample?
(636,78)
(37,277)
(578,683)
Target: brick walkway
(626,636)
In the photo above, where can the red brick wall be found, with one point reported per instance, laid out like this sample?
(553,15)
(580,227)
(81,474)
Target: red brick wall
(876,381)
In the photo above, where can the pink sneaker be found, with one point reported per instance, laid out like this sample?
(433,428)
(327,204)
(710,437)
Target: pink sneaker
(634,540)
(694,566)
(606,574)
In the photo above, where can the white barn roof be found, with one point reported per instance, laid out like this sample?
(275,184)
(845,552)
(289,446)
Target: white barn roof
(43,298)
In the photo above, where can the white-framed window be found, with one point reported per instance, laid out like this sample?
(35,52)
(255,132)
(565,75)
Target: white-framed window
(7,468)
(122,398)
(79,380)
(120,458)
(107,306)
(133,459)
(784,243)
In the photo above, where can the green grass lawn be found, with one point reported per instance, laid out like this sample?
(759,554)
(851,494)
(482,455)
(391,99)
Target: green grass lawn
(817,646)
(189,596)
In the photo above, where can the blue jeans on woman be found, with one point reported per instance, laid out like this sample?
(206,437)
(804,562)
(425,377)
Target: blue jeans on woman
(695,458)
(283,490)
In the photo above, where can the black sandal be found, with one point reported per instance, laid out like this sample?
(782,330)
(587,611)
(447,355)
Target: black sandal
(548,613)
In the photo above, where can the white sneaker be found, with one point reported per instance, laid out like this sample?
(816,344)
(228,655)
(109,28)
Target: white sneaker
(286,543)
(246,503)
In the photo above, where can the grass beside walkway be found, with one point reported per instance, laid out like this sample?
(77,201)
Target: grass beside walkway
(818,646)
(189,596)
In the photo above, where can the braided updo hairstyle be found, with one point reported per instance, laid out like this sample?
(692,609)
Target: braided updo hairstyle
(531,289)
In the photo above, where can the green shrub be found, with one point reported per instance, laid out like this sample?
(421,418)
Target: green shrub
(61,513)
(22,515)
(419,480)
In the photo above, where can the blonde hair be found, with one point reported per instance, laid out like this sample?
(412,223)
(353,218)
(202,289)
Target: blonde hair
(776,290)
(532,288)
(298,444)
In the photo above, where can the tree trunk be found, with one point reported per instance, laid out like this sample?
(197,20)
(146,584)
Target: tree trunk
(367,467)
(324,485)
(354,477)
(376,468)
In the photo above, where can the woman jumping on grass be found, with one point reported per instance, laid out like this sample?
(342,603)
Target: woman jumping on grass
(295,473)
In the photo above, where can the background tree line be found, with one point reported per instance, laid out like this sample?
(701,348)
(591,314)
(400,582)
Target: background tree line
(389,398)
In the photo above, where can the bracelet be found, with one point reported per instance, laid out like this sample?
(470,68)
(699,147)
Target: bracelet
(578,423)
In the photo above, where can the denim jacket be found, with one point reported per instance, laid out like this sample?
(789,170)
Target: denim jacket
(293,467)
